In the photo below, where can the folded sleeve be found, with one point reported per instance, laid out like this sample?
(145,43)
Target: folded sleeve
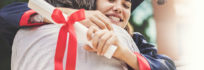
(143,63)
(17,15)
(12,13)
(148,52)
(26,17)
(12,17)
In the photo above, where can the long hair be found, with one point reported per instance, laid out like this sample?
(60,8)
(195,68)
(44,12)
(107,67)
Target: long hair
(75,4)
(129,29)
(86,4)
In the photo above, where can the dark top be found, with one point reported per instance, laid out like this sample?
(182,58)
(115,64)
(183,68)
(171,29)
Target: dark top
(10,15)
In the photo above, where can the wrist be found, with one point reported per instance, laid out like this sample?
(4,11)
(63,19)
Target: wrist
(125,55)
(36,18)
(46,20)
(129,58)
(121,52)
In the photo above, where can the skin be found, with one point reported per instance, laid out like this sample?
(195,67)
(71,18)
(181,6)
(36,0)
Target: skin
(93,18)
(98,21)
(102,39)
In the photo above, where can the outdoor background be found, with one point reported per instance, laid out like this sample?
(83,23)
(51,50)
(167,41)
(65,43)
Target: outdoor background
(175,27)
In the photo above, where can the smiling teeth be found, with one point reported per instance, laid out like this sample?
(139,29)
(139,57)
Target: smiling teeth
(114,18)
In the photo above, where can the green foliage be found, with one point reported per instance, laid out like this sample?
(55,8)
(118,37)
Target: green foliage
(143,22)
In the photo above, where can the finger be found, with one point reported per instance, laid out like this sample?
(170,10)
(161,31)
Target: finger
(87,22)
(96,38)
(102,42)
(98,22)
(106,21)
(108,43)
(90,32)
(88,48)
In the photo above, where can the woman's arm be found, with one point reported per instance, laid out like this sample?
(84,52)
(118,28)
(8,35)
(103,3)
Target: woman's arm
(149,51)
(102,39)
(12,13)
(10,17)
(147,59)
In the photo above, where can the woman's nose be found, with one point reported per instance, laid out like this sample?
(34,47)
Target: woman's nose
(117,8)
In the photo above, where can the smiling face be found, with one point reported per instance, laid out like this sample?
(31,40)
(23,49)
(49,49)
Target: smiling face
(118,11)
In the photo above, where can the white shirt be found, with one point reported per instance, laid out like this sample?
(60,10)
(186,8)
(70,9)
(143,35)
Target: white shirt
(34,49)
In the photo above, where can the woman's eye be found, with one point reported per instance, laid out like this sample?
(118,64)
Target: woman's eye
(126,6)
(111,0)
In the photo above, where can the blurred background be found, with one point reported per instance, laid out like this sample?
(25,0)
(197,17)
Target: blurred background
(174,26)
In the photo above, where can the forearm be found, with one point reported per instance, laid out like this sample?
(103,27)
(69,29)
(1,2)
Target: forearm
(32,18)
(11,14)
(131,59)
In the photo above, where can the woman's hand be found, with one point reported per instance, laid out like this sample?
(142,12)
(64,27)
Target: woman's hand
(93,18)
(102,40)
(96,18)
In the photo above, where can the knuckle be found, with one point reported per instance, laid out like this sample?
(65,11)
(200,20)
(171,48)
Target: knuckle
(108,43)
(102,40)
(94,43)
(88,20)
(102,27)
(89,35)
(97,33)
(91,18)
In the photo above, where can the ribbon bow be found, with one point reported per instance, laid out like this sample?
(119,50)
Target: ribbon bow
(67,30)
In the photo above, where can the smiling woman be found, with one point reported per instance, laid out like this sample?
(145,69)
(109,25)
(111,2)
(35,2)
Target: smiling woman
(118,11)
(90,59)
(34,47)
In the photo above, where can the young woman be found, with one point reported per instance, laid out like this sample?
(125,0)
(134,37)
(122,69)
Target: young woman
(118,11)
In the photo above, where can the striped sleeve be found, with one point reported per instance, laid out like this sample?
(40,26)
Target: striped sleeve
(148,53)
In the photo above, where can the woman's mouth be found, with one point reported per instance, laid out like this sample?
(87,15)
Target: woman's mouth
(115,19)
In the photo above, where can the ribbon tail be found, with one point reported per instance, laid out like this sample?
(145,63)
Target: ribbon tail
(72,49)
(60,49)
(62,39)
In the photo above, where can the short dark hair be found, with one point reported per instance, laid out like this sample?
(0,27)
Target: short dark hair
(76,4)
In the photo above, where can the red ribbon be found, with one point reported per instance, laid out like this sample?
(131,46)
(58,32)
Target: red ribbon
(68,27)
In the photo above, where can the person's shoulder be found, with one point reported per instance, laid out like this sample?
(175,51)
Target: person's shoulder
(138,38)
(12,13)
(14,5)
(137,35)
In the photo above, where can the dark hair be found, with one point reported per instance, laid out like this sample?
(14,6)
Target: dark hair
(76,4)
